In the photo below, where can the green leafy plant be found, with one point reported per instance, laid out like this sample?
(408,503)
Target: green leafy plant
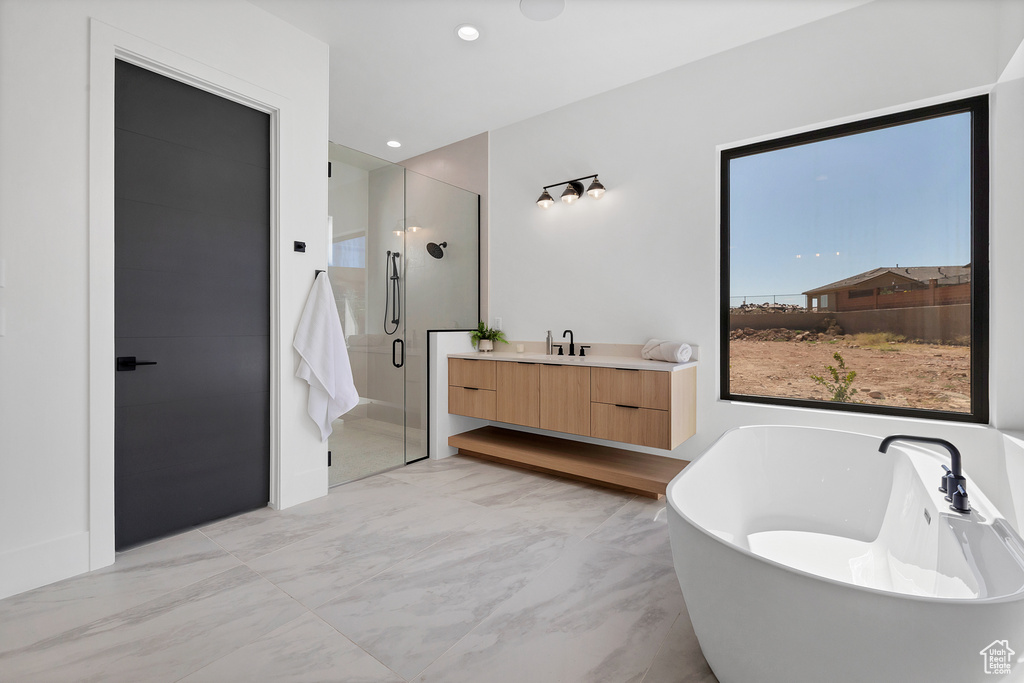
(484,332)
(839,387)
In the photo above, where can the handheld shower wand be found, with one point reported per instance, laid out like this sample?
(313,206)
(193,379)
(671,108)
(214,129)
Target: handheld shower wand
(392,292)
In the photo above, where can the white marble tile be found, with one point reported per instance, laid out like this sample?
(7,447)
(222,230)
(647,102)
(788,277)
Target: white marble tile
(433,473)
(301,651)
(327,564)
(640,527)
(160,640)
(680,660)
(573,507)
(263,531)
(410,614)
(493,484)
(137,576)
(597,615)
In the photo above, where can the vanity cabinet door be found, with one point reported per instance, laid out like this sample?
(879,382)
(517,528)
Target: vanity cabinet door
(518,393)
(565,399)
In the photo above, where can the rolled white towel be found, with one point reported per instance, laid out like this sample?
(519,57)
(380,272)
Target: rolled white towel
(668,351)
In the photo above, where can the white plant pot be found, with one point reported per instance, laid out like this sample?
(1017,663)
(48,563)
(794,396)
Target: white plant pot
(485,345)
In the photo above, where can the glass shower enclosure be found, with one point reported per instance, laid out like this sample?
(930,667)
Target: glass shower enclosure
(404,259)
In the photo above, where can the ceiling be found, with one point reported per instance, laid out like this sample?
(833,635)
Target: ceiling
(398,71)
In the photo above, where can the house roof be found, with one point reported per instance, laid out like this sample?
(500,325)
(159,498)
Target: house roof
(944,275)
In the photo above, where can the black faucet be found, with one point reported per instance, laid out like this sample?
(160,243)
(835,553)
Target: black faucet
(954,484)
(572,347)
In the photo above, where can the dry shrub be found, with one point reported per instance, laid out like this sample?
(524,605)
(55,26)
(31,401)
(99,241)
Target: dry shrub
(877,340)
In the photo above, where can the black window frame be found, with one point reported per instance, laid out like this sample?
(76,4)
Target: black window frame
(978,107)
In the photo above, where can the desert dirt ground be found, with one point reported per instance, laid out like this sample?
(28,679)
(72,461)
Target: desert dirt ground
(915,375)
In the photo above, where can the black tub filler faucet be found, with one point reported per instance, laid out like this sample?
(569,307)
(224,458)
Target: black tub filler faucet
(953,484)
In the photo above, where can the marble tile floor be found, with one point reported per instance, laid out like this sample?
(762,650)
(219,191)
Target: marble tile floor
(455,570)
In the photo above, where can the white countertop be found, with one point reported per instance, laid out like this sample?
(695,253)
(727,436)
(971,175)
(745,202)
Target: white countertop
(629,362)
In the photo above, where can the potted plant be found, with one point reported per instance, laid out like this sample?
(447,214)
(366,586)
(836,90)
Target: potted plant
(483,337)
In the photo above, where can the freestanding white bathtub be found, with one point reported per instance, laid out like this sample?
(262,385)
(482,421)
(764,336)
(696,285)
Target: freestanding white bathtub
(806,555)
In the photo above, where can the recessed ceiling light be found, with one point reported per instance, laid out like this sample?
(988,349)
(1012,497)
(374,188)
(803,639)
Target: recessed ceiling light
(394,143)
(468,32)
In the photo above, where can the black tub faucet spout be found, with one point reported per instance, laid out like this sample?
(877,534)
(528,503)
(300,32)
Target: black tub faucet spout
(953,484)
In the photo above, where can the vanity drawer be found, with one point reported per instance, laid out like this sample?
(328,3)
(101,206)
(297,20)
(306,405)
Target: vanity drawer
(471,402)
(641,426)
(640,388)
(464,372)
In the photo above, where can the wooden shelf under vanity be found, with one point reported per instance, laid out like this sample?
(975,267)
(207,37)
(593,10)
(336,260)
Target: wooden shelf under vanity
(618,468)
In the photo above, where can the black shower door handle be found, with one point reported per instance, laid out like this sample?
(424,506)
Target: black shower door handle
(401,362)
(128,363)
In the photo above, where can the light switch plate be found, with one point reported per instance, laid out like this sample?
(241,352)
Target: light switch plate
(497,323)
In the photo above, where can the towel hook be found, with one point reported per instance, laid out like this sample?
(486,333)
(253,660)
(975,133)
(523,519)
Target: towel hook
(317,274)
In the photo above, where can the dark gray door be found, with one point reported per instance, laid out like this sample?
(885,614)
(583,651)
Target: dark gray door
(192,294)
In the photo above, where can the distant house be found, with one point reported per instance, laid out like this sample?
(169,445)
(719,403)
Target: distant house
(894,288)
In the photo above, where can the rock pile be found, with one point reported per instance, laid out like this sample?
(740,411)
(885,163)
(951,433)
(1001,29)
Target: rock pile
(783,334)
(767,308)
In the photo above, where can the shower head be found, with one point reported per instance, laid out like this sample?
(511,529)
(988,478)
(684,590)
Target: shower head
(435,249)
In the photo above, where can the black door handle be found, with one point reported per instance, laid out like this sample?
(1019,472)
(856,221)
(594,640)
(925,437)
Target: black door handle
(128,363)
(395,343)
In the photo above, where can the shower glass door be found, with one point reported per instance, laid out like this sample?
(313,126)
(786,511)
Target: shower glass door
(404,259)
(366,205)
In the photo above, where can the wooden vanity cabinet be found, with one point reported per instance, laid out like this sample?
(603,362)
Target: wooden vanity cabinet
(645,407)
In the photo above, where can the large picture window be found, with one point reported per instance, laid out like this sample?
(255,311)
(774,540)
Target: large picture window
(855,266)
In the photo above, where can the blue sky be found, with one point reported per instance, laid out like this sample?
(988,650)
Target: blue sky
(805,216)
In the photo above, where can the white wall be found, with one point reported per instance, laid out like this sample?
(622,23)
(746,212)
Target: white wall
(56,448)
(642,261)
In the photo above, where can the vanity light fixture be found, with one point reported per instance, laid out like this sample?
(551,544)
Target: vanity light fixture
(573,191)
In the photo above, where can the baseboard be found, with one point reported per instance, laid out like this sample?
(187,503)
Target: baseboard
(304,486)
(44,563)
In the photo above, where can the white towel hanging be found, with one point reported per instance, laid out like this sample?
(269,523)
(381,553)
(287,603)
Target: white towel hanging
(324,362)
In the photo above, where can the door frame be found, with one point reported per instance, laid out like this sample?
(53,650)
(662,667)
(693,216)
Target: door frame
(107,44)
